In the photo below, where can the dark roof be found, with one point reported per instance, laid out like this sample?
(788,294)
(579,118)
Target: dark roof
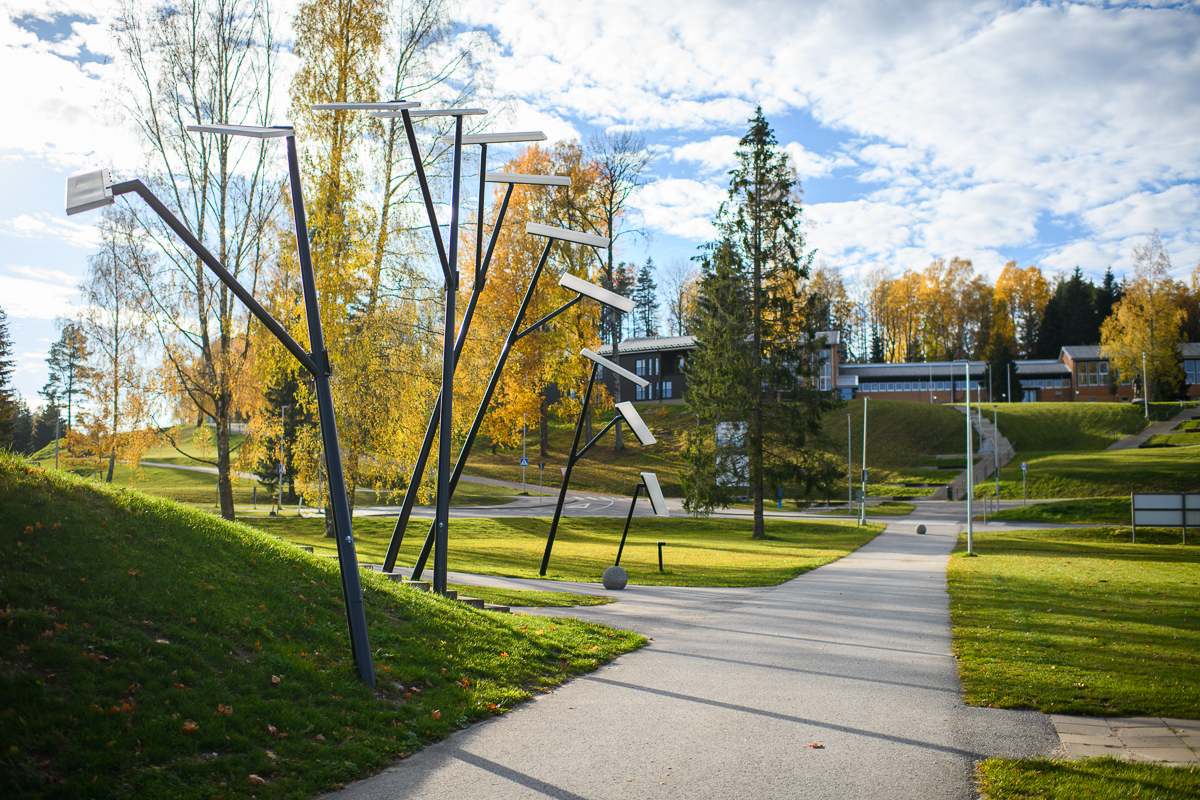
(1086,351)
(912,371)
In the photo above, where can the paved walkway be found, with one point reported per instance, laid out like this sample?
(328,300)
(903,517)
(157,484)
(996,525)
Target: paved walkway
(837,684)
(1135,440)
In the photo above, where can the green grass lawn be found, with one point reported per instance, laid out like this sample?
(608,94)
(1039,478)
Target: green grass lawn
(1090,510)
(698,552)
(1093,778)
(153,650)
(900,436)
(1188,438)
(1104,473)
(1079,622)
(1070,427)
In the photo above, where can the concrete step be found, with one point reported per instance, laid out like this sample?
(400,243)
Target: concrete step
(474,602)
(420,586)
(497,608)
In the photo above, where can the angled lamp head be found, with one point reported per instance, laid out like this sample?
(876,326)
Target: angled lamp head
(657,501)
(634,419)
(569,281)
(562,234)
(394,105)
(88,191)
(536,180)
(253,131)
(609,365)
(432,112)
(499,138)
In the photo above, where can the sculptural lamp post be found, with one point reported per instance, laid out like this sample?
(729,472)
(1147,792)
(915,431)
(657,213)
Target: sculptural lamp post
(581,288)
(625,411)
(96,189)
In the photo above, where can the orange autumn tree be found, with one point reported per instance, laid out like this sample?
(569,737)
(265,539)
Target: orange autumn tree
(549,356)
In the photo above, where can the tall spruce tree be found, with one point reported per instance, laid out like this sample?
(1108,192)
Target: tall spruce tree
(1069,317)
(8,404)
(645,301)
(68,363)
(755,372)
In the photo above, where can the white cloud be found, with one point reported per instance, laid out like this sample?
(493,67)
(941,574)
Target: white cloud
(713,155)
(45,226)
(814,165)
(681,207)
(34,298)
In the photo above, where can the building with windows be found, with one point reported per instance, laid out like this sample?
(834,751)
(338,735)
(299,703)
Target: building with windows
(1080,373)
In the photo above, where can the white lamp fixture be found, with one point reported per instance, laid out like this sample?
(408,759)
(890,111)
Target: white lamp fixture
(253,131)
(657,501)
(537,180)
(604,362)
(562,234)
(395,105)
(88,191)
(634,419)
(569,281)
(432,112)
(499,138)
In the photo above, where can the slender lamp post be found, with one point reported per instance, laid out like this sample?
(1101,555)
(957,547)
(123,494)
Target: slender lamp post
(95,189)
(849,470)
(1145,388)
(582,289)
(862,508)
(970,467)
(658,505)
(282,452)
(625,411)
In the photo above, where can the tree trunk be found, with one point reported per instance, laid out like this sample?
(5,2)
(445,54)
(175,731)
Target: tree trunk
(224,483)
(112,461)
(756,417)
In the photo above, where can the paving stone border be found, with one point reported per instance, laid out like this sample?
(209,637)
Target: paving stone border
(1161,740)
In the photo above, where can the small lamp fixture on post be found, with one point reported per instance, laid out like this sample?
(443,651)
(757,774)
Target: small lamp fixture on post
(658,504)
(96,189)
(625,411)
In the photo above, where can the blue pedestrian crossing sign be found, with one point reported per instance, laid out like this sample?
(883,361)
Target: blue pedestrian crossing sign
(524,462)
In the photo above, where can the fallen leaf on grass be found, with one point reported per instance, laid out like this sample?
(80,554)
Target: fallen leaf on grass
(275,679)
(190,727)
(257,781)
(224,710)
(435,714)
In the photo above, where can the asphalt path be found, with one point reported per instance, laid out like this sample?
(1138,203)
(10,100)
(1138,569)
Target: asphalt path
(838,684)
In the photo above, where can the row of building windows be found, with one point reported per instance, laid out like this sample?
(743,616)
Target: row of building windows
(1045,383)
(1091,373)
(1191,368)
(917,386)
(665,391)
(645,366)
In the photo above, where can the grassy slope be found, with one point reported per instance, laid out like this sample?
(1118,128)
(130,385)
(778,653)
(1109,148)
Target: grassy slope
(1064,447)
(140,642)
(899,437)
(698,552)
(1093,778)
(1079,622)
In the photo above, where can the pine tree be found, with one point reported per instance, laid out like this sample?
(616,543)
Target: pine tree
(22,428)
(1070,316)
(760,372)
(68,368)
(7,398)
(645,301)
(281,403)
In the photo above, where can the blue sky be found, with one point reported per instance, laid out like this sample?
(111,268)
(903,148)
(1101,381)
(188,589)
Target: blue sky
(1052,133)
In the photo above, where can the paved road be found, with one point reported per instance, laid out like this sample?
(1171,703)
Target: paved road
(735,687)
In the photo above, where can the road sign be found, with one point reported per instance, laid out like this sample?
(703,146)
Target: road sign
(1024,466)
(524,462)
(541,465)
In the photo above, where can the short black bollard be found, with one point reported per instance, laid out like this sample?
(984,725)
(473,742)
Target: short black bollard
(660,545)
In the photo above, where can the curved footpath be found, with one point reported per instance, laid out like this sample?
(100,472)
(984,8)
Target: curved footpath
(837,684)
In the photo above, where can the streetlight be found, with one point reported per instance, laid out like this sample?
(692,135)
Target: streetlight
(625,411)
(970,466)
(282,452)
(568,281)
(658,505)
(849,470)
(1145,388)
(96,189)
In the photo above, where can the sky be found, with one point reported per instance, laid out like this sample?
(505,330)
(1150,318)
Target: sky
(1058,134)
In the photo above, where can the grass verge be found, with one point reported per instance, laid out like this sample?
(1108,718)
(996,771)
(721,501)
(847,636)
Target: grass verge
(152,650)
(1093,778)
(698,552)
(529,598)
(1078,622)
(1084,511)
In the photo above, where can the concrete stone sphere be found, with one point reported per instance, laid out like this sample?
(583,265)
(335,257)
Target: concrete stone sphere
(614,578)
(920,529)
